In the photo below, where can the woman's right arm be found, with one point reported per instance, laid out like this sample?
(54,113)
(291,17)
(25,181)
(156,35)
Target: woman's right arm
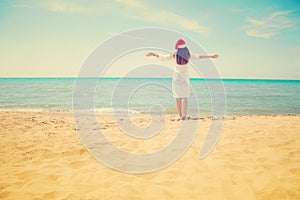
(160,57)
(152,54)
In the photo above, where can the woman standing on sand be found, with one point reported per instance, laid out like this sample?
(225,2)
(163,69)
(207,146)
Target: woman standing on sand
(180,79)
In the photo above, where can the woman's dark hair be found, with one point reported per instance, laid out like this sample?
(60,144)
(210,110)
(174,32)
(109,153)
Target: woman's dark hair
(182,56)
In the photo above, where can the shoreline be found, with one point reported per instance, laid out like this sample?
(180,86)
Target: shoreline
(71,112)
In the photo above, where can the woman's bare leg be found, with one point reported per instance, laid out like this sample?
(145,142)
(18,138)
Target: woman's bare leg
(178,105)
(184,107)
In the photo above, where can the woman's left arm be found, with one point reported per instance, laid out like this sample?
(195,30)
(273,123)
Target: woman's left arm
(204,56)
(209,56)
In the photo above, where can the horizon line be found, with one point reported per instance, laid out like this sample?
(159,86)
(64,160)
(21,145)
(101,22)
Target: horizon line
(115,77)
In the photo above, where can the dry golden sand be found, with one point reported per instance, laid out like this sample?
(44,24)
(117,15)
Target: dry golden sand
(257,157)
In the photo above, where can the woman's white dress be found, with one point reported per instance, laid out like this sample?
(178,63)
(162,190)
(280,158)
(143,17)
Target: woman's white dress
(180,78)
(181,82)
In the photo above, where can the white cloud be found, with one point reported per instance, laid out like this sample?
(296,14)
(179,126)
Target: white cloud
(132,3)
(146,13)
(133,9)
(269,26)
(68,7)
(64,6)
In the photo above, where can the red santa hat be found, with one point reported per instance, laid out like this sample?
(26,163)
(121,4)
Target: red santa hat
(180,44)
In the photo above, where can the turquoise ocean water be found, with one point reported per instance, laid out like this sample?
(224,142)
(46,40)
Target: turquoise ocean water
(243,96)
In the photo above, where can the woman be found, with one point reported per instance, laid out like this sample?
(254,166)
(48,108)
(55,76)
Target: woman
(180,80)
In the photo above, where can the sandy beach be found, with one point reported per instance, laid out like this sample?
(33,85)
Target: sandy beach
(256,157)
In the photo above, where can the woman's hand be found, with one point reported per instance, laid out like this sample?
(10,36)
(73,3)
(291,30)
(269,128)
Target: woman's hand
(214,56)
(150,54)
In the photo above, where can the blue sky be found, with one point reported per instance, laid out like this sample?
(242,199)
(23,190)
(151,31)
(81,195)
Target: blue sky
(255,39)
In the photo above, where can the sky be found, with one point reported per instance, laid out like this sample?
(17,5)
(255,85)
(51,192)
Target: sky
(52,38)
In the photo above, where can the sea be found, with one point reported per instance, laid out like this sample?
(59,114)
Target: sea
(142,95)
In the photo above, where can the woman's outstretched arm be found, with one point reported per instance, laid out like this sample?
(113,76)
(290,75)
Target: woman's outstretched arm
(152,54)
(160,57)
(209,56)
(197,56)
